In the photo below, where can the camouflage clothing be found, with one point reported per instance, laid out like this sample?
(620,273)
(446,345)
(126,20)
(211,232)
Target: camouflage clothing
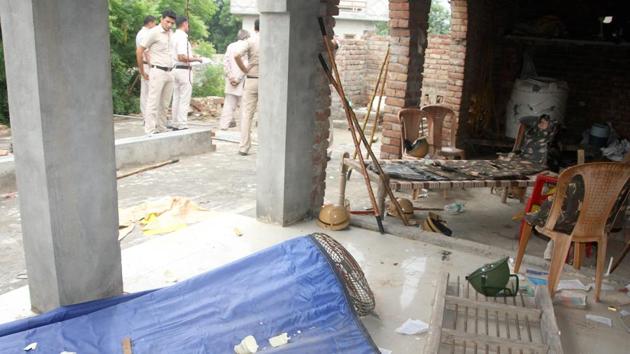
(571,207)
(537,138)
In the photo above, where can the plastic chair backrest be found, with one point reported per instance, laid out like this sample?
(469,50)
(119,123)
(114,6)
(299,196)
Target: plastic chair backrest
(410,122)
(603,185)
(436,115)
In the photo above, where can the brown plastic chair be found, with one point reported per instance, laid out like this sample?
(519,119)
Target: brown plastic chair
(410,122)
(603,183)
(436,115)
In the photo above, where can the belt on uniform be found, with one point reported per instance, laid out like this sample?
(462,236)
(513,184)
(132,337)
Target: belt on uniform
(187,67)
(162,67)
(252,77)
(145,62)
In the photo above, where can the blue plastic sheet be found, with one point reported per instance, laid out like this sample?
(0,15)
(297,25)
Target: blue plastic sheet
(290,287)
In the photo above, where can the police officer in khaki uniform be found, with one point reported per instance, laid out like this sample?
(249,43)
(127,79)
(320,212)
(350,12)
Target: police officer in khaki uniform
(250,92)
(182,75)
(158,42)
(149,22)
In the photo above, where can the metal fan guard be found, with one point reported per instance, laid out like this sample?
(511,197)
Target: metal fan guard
(350,272)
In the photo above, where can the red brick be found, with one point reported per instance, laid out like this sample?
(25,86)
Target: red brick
(395,102)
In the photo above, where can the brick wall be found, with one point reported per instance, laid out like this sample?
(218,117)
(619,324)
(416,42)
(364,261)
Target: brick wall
(436,69)
(359,61)
(329,8)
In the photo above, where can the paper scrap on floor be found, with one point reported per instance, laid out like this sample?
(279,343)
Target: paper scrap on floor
(572,284)
(164,215)
(411,327)
(599,319)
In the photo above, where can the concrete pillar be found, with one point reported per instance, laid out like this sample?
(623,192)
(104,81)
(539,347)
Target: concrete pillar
(58,71)
(289,44)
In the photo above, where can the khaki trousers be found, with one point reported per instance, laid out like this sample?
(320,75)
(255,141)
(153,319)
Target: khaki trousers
(248,110)
(230,103)
(182,91)
(160,93)
(144,91)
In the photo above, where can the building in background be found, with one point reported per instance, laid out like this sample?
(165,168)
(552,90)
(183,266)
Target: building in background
(355,16)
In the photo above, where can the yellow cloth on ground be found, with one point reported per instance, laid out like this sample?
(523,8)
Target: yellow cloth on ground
(163,216)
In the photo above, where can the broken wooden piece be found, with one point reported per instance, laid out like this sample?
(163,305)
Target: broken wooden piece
(146,168)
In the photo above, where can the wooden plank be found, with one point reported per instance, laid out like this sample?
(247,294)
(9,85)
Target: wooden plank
(548,326)
(126,345)
(482,340)
(534,314)
(437,317)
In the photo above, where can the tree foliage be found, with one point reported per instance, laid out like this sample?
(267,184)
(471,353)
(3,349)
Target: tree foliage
(211,26)
(223,26)
(439,18)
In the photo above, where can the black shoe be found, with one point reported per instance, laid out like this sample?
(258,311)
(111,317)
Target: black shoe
(242,153)
(232,125)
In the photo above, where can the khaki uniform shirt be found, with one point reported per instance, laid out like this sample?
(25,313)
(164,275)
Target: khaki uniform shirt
(158,41)
(250,51)
(181,46)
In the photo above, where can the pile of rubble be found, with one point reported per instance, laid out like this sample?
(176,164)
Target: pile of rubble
(206,107)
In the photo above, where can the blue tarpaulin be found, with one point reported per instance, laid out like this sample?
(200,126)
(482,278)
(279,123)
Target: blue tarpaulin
(290,287)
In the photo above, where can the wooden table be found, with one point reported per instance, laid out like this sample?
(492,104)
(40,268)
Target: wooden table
(402,185)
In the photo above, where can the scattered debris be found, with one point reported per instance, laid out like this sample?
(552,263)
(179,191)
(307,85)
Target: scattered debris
(537,281)
(445,255)
(455,208)
(411,327)
(604,287)
(612,308)
(247,346)
(125,231)
(395,264)
(8,195)
(279,340)
(169,277)
(30,347)
(573,284)
(571,299)
(22,276)
(145,168)
(238,232)
(164,215)
(599,319)
(126,345)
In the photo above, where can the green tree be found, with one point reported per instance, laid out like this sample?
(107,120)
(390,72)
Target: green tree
(199,13)
(439,19)
(223,26)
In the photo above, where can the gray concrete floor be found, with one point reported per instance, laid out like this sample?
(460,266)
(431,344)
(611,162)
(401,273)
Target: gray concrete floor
(224,181)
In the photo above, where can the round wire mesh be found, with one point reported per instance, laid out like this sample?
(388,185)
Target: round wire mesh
(350,272)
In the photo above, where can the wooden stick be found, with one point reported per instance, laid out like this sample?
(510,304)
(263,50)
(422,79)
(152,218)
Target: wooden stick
(354,123)
(126,345)
(348,110)
(369,107)
(378,107)
(146,168)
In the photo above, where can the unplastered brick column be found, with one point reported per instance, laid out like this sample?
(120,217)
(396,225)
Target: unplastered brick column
(328,9)
(408,41)
(457,60)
